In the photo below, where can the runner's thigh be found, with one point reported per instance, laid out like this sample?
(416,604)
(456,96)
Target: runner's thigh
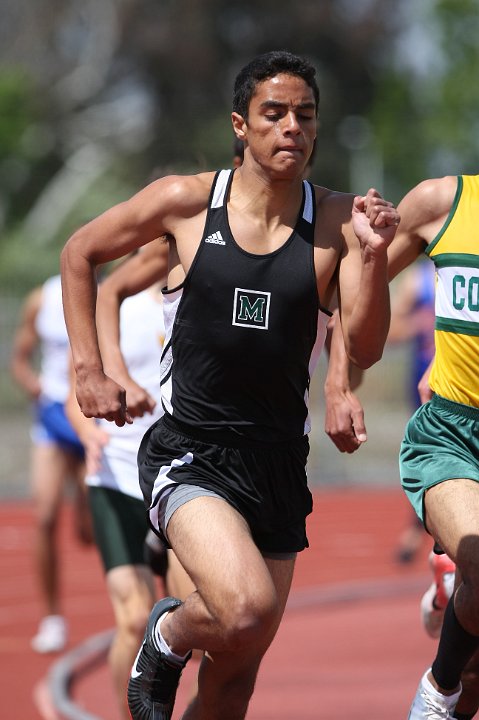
(452,517)
(214,545)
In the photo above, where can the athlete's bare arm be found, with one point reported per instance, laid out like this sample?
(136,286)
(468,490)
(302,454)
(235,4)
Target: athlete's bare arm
(24,343)
(139,272)
(338,249)
(92,436)
(403,325)
(423,211)
(423,387)
(344,414)
(173,206)
(353,236)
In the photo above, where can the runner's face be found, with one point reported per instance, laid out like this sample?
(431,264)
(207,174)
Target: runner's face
(281,125)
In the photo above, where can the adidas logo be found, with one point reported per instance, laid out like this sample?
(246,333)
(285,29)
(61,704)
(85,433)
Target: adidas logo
(216,238)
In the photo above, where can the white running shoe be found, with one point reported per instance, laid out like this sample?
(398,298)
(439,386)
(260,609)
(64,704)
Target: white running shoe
(436,597)
(51,636)
(429,704)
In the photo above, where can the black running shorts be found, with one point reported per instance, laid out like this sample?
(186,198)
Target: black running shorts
(265,482)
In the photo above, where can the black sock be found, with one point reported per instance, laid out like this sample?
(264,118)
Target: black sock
(456,647)
(462,716)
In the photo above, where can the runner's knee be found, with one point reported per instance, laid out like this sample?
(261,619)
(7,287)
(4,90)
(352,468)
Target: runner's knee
(245,621)
(133,622)
(46,520)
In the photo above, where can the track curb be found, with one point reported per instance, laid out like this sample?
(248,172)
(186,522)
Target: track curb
(81,660)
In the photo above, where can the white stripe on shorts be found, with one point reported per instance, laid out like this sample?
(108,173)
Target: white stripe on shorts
(164,484)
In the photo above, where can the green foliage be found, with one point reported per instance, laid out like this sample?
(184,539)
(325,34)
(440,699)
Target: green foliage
(423,118)
(457,122)
(426,118)
(16,110)
(26,263)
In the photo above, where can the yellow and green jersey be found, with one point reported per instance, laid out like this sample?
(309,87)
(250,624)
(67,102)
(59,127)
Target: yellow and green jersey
(455,252)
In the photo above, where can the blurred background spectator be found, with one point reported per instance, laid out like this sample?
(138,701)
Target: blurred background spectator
(57,455)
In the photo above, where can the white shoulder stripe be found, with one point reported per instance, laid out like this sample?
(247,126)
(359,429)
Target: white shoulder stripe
(220,189)
(308,203)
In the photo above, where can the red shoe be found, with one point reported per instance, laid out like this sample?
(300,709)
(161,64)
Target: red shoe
(436,597)
(443,570)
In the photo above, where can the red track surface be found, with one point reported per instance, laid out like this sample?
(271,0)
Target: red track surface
(350,646)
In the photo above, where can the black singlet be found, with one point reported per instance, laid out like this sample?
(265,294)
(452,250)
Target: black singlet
(242,331)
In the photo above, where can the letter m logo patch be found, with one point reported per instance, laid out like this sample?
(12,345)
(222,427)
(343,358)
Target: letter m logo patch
(251,308)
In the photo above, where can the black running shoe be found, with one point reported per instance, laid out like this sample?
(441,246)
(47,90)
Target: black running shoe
(153,680)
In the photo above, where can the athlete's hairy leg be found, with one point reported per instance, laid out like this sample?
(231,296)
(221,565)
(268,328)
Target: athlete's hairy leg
(81,505)
(180,585)
(236,608)
(227,680)
(50,466)
(452,517)
(178,582)
(468,703)
(132,594)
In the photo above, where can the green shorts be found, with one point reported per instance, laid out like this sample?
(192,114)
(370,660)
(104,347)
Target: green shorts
(120,524)
(441,443)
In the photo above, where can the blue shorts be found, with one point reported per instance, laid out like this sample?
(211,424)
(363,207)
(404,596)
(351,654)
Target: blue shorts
(52,426)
